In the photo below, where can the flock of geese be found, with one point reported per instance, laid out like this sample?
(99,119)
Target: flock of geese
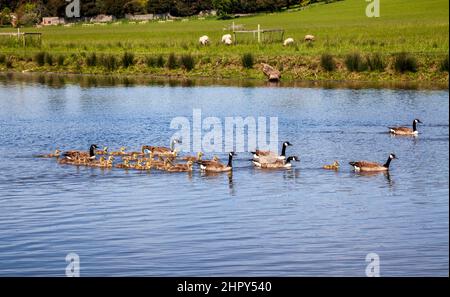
(167,159)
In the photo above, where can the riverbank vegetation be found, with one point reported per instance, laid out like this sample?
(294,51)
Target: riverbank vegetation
(409,42)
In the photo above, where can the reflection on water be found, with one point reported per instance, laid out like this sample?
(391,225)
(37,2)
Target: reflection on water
(55,80)
(303,221)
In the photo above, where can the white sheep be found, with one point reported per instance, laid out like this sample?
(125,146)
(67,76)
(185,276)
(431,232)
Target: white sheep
(228,41)
(226,37)
(288,41)
(204,40)
(309,37)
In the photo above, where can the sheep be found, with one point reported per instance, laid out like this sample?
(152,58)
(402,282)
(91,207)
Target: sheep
(228,41)
(289,41)
(309,38)
(204,40)
(226,37)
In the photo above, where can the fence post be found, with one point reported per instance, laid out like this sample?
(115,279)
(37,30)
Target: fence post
(259,33)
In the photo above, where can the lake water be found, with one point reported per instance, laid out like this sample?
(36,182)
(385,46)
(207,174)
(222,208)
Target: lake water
(301,222)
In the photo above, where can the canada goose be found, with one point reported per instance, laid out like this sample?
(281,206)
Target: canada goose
(124,165)
(98,163)
(218,166)
(56,154)
(278,164)
(180,167)
(135,155)
(372,166)
(72,155)
(406,130)
(104,151)
(197,158)
(159,150)
(271,155)
(214,160)
(161,164)
(334,166)
(121,152)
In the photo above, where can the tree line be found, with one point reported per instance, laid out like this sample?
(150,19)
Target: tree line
(33,10)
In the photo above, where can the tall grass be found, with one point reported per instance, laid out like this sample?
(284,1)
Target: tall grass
(375,62)
(91,60)
(39,58)
(2,58)
(172,62)
(60,60)
(405,62)
(187,62)
(355,63)
(109,62)
(49,59)
(128,59)
(248,60)
(444,65)
(327,62)
(9,62)
(155,62)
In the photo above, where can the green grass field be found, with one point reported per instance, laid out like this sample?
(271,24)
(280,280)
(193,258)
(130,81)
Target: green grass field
(419,27)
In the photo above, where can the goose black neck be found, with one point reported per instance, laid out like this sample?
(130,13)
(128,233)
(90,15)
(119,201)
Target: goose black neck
(230,161)
(388,162)
(92,151)
(283,151)
(414,126)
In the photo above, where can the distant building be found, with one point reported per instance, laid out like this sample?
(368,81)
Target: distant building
(139,17)
(102,18)
(53,21)
(204,13)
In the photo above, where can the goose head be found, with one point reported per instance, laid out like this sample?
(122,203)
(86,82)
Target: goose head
(287,143)
(292,158)
(417,121)
(392,156)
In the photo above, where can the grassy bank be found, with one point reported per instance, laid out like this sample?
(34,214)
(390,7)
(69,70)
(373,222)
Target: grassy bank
(409,42)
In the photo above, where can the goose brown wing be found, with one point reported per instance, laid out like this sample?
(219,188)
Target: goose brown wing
(365,164)
(401,129)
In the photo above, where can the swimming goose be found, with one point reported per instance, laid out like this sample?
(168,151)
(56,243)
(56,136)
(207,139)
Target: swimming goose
(278,164)
(406,130)
(72,155)
(124,165)
(180,167)
(161,164)
(334,166)
(159,150)
(218,166)
(258,154)
(214,160)
(104,151)
(372,166)
(196,159)
(121,152)
(56,154)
